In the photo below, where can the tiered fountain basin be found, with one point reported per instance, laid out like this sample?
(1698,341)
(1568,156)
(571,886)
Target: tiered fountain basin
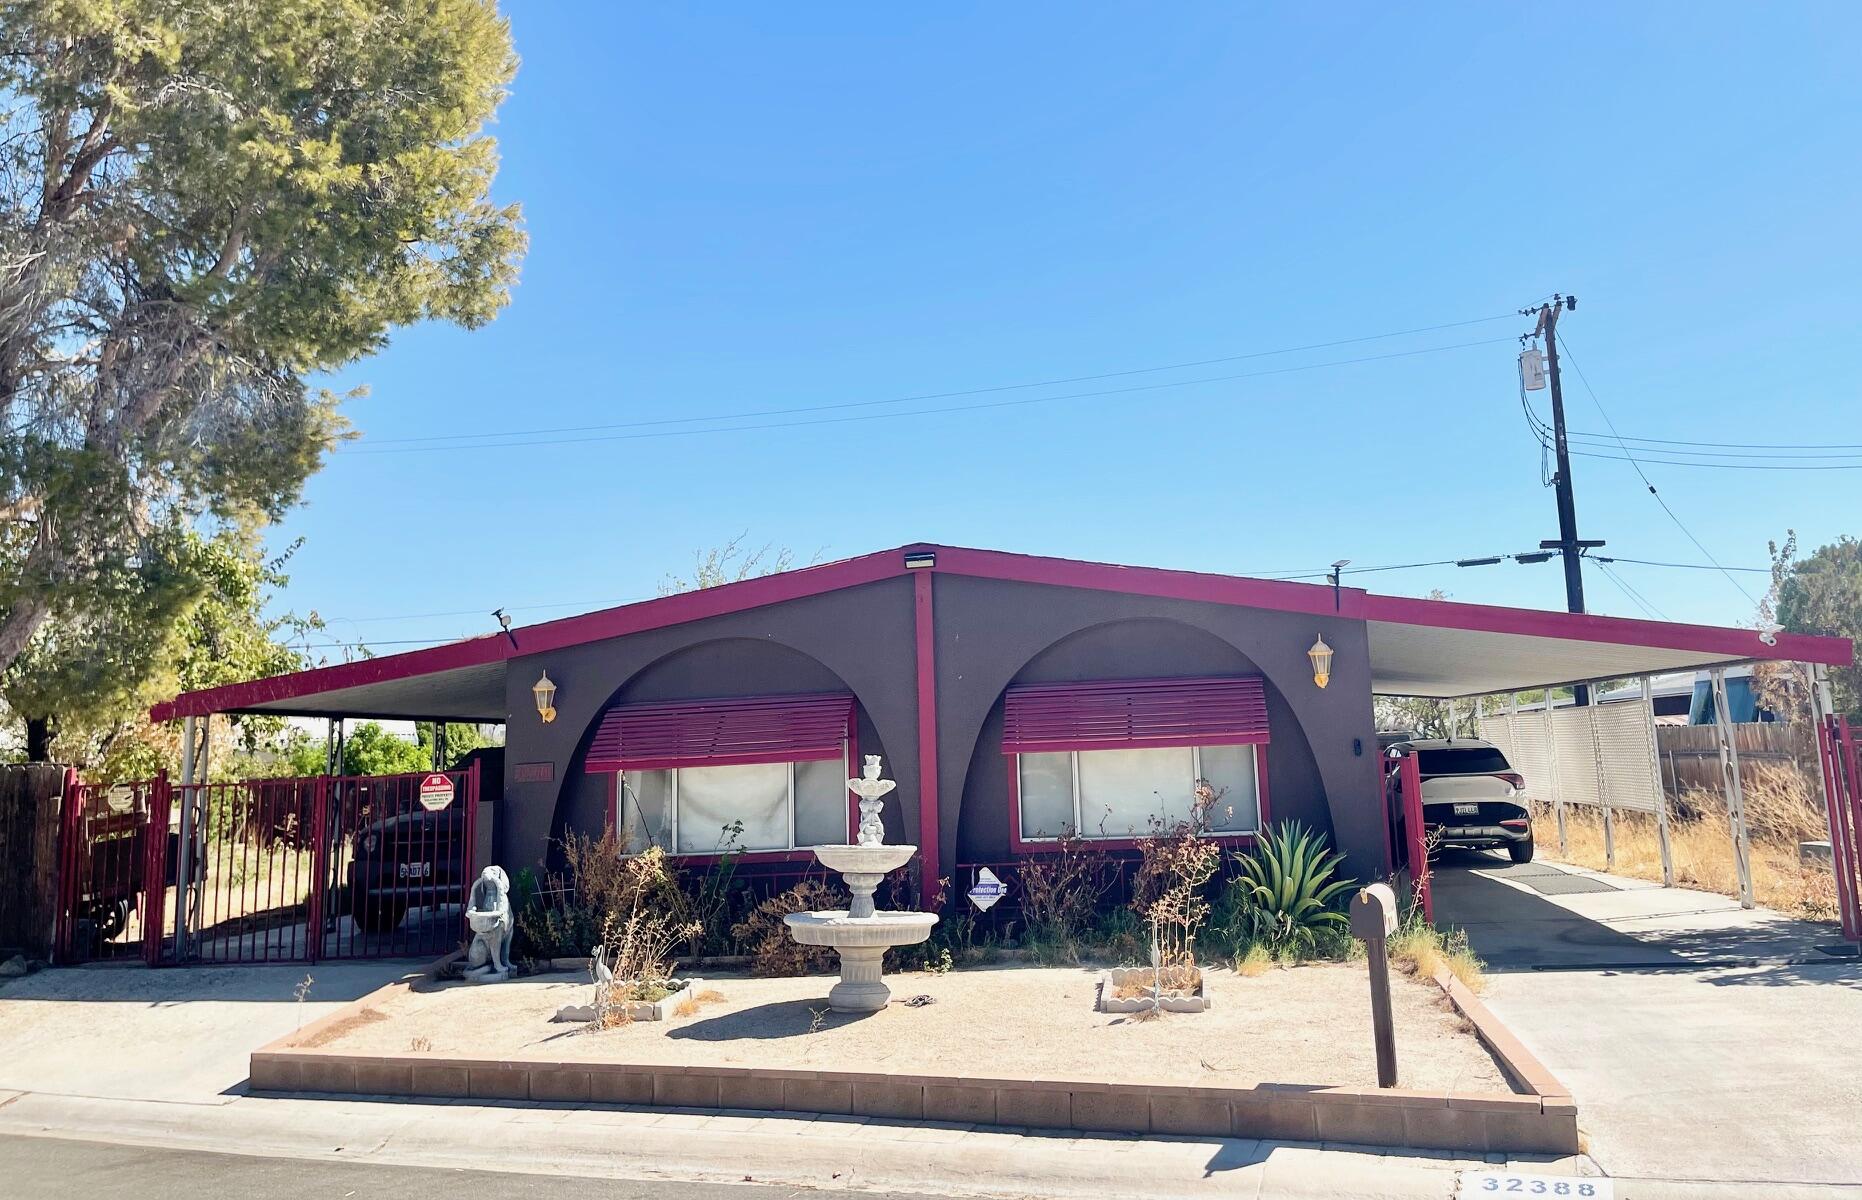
(860,934)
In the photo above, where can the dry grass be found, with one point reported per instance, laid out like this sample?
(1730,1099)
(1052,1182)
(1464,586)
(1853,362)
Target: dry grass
(1255,963)
(1422,950)
(1180,975)
(689,1006)
(1781,810)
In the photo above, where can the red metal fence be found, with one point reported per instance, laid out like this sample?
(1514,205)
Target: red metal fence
(1843,788)
(267,870)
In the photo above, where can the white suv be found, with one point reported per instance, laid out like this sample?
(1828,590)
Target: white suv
(1471,796)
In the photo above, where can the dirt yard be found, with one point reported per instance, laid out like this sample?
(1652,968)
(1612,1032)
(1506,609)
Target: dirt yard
(1307,1025)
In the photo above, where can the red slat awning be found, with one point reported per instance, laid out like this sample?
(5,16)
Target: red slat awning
(744,729)
(1108,714)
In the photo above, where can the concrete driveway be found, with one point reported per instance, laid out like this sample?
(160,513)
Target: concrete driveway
(1701,1041)
(183,1034)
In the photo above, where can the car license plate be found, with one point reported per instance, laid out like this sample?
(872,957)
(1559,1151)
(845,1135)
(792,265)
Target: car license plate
(419,870)
(1467,810)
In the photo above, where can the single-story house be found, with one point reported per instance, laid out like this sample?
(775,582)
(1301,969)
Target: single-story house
(1012,697)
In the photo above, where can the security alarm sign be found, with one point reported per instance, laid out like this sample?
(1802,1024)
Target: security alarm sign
(987,889)
(436,792)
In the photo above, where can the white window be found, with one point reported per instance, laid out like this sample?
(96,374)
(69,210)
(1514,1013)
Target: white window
(1127,793)
(695,810)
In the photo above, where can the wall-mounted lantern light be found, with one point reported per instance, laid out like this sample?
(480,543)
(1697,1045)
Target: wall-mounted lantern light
(545,692)
(1321,655)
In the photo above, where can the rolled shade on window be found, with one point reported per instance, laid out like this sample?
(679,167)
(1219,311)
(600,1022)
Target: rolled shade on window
(1113,714)
(695,733)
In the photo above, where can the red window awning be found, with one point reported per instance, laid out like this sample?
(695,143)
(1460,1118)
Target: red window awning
(747,729)
(1109,714)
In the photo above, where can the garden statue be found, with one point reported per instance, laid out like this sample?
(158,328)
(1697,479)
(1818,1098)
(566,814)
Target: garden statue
(488,912)
(872,792)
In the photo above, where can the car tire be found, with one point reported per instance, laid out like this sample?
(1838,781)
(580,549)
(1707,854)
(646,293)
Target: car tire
(1520,852)
(379,917)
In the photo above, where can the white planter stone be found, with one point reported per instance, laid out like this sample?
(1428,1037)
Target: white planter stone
(1172,1001)
(637,1010)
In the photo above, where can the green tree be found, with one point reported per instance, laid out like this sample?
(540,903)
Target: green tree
(203,203)
(191,618)
(1823,594)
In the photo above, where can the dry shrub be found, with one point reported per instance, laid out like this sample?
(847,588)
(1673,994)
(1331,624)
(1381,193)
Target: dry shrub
(1062,887)
(1782,809)
(1256,962)
(689,1006)
(763,933)
(599,882)
(1180,975)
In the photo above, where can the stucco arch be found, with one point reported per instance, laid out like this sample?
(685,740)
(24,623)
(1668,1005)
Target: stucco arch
(716,667)
(1129,648)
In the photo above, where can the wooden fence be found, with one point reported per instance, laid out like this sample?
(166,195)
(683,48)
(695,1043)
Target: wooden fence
(1690,754)
(30,798)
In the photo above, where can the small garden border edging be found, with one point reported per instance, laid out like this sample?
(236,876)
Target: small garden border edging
(1541,1119)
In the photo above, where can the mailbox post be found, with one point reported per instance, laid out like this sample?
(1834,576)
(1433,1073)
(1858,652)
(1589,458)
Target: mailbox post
(1373,920)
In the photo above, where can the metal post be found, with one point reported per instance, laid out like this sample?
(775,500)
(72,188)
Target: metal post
(1735,790)
(1551,757)
(1661,793)
(1373,918)
(1603,792)
(184,861)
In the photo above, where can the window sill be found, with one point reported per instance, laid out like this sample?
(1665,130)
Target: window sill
(1054,846)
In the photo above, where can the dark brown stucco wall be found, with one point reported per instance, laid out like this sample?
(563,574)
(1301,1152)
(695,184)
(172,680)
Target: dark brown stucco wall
(990,631)
(857,640)
(1136,649)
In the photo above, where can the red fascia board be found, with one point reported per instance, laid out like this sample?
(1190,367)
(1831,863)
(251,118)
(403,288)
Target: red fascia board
(1312,598)
(1283,595)
(542,638)
(1622,631)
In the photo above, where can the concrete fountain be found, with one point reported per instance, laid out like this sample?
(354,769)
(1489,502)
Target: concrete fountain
(862,934)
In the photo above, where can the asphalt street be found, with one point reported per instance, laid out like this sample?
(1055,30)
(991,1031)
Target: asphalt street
(31,1167)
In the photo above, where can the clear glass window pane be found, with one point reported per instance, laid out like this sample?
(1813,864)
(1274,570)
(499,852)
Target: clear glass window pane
(713,798)
(1046,788)
(1122,792)
(1230,770)
(646,809)
(821,803)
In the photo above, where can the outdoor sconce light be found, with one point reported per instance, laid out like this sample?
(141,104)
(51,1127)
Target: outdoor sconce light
(545,692)
(1321,655)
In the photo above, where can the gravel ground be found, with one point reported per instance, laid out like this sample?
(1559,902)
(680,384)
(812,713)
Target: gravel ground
(1307,1025)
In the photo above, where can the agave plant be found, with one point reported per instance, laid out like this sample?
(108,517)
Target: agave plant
(1284,890)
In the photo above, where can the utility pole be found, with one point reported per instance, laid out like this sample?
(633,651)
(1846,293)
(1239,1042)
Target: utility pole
(1568,544)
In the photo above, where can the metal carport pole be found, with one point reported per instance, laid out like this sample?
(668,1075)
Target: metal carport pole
(1735,790)
(1661,790)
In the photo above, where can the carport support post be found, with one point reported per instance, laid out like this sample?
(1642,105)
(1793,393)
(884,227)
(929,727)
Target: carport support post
(1603,792)
(1735,790)
(1661,792)
(1551,756)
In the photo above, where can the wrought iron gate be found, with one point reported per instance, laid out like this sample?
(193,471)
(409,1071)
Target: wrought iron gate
(268,870)
(1843,792)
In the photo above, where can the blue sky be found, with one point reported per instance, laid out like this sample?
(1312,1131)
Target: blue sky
(738,208)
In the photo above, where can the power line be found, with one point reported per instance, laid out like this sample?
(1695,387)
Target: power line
(1641,474)
(1722,466)
(1729,445)
(920,412)
(1648,607)
(1645,562)
(979,391)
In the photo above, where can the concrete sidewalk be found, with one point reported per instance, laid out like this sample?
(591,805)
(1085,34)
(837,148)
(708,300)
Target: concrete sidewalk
(184,1034)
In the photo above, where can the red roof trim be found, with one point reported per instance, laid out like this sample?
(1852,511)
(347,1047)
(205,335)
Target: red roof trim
(1619,631)
(1316,599)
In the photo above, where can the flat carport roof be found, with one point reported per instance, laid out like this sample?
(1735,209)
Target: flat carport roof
(1435,648)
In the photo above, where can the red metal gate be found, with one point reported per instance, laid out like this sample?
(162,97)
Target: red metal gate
(1410,841)
(267,870)
(1843,791)
(116,861)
